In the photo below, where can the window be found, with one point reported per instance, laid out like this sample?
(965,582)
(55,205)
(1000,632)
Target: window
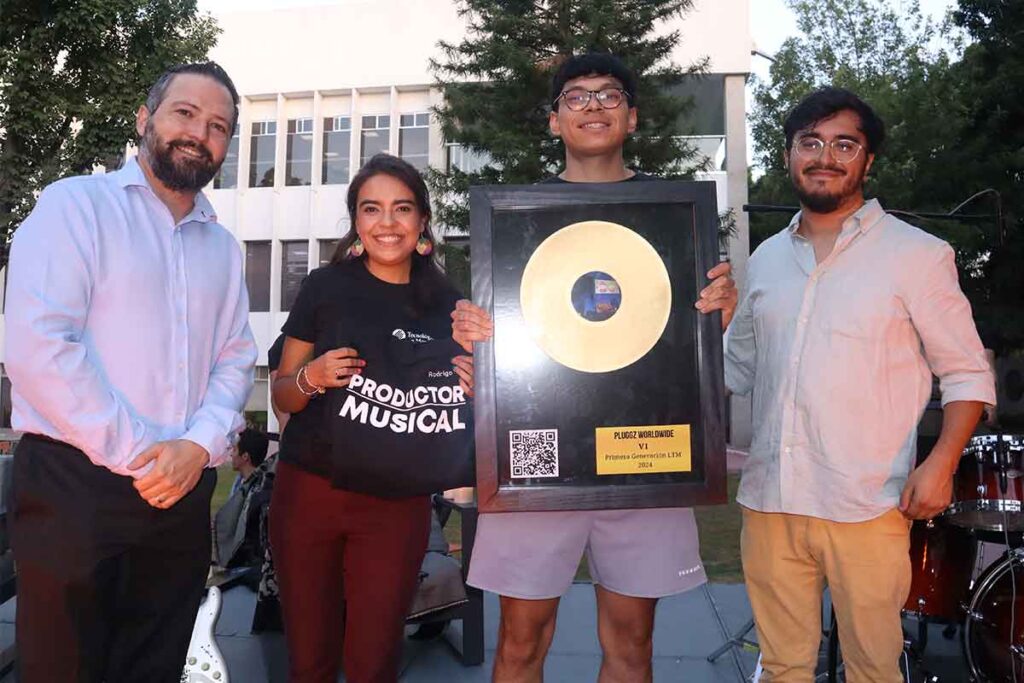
(261,153)
(376,137)
(227,176)
(464,159)
(294,267)
(412,139)
(337,141)
(327,249)
(299,153)
(257,275)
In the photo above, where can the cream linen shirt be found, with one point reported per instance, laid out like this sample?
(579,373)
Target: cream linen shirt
(840,356)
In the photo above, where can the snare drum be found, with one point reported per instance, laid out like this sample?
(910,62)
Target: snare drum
(978,499)
(993,635)
(941,562)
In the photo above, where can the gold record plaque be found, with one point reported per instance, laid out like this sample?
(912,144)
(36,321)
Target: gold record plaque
(602,387)
(547,305)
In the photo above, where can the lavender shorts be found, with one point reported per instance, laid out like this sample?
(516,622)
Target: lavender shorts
(649,553)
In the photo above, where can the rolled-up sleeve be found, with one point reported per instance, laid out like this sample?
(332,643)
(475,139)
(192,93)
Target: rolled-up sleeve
(741,347)
(942,317)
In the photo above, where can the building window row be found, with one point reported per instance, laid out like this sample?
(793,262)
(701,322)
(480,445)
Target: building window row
(374,137)
(294,268)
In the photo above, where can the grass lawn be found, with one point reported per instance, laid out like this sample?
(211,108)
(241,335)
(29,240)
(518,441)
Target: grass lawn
(719,531)
(225,477)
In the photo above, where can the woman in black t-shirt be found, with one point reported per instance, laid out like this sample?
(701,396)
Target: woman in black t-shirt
(348,561)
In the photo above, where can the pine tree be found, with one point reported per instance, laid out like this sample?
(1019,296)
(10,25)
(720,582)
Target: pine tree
(496,85)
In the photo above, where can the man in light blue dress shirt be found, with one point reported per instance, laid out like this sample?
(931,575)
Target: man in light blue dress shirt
(130,358)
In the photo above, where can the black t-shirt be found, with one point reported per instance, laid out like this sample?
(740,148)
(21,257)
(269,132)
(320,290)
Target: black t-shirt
(635,177)
(336,305)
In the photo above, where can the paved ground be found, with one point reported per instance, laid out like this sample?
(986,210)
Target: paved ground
(687,631)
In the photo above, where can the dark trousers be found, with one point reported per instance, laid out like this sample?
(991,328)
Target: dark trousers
(346,563)
(108,587)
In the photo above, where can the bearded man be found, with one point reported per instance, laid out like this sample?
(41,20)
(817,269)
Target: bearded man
(845,316)
(130,358)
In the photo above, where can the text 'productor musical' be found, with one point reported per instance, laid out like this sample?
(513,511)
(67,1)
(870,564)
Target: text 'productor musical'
(424,409)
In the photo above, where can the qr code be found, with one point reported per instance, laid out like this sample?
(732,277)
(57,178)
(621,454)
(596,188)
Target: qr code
(534,452)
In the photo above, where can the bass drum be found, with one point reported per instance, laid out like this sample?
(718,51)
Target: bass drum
(994,629)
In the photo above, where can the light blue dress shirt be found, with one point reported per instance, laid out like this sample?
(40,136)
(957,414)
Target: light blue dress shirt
(124,328)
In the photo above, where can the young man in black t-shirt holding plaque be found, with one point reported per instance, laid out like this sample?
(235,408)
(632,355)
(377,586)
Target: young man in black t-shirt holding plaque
(635,556)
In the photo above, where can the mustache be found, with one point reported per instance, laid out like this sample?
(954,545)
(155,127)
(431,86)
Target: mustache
(819,167)
(184,144)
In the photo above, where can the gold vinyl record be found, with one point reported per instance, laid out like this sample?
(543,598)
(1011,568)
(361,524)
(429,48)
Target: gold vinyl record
(608,263)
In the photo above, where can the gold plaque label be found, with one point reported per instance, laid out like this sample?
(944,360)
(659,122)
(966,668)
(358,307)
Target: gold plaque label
(643,450)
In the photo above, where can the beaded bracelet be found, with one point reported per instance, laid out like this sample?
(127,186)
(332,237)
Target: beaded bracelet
(302,374)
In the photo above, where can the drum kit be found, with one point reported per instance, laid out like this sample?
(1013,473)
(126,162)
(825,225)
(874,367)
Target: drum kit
(949,584)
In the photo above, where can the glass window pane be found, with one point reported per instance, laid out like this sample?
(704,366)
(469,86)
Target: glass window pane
(294,267)
(373,142)
(383,121)
(336,151)
(227,176)
(299,155)
(327,248)
(257,275)
(408,119)
(412,146)
(369,122)
(261,160)
(422,119)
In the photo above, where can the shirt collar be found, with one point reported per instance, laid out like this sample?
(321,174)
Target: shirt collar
(865,218)
(131,175)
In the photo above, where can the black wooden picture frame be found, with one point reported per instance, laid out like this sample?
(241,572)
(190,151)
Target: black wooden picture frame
(680,219)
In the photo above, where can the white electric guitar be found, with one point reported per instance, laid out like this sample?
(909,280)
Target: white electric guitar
(204,663)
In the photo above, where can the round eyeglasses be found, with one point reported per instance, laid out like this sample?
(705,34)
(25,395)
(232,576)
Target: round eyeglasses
(844,151)
(577,99)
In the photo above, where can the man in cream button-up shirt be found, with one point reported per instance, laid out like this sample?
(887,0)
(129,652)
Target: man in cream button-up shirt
(845,316)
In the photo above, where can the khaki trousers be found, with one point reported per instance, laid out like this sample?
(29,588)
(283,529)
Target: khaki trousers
(788,560)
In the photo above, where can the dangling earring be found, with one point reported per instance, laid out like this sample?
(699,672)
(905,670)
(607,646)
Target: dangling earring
(356,249)
(424,246)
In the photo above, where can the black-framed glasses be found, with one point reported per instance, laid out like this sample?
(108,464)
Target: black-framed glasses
(843,150)
(577,99)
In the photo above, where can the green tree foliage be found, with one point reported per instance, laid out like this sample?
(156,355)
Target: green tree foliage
(72,74)
(496,84)
(949,114)
(989,153)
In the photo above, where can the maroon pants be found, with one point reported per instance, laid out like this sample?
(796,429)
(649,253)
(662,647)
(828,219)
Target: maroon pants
(346,563)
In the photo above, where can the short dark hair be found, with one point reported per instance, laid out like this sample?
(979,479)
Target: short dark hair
(597,63)
(825,103)
(254,444)
(209,69)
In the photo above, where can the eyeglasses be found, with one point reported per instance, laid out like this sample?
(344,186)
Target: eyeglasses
(844,151)
(577,99)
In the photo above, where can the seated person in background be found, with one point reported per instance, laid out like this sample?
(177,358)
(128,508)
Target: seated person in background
(237,524)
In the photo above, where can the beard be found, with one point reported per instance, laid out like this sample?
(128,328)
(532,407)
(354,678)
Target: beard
(177,172)
(821,201)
